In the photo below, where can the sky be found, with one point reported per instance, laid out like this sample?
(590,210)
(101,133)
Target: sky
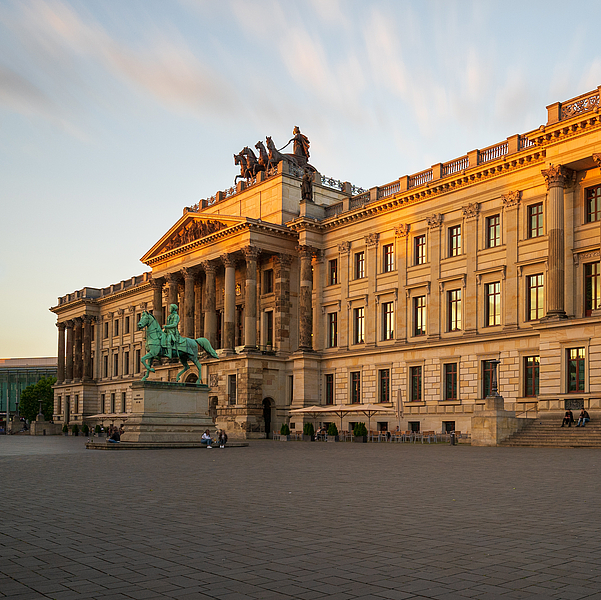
(116,114)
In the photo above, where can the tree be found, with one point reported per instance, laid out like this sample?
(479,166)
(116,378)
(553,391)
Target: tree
(32,395)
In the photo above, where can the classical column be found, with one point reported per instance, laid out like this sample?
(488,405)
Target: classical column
(282,302)
(198,316)
(344,317)
(157,299)
(470,249)
(77,362)
(434,300)
(305,308)
(69,353)
(87,347)
(251,254)
(61,352)
(209,299)
(172,290)
(557,177)
(371,306)
(317,295)
(510,304)
(188,312)
(229,304)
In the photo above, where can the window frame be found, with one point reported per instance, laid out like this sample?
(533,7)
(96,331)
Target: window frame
(419,315)
(416,378)
(535,292)
(388,258)
(492,318)
(332,329)
(384,386)
(455,241)
(580,363)
(329,389)
(359,325)
(589,213)
(419,250)
(355,387)
(450,375)
(592,301)
(388,320)
(493,241)
(535,230)
(333,271)
(531,376)
(359,262)
(454,310)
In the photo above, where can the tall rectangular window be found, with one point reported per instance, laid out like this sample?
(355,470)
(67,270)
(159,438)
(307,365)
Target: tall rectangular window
(359,325)
(535,220)
(355,387)
(454,309)
(137,363)
(268,281)
(126,325)
(415,392)
(269,328)
(531,375)
(116,327)
(420,249)
(384,385)
(329,385)
(239,341)
(113,403)
(105,330)
(387,320)
(576,370)
(592,288)
(492,308)
(359,265)
(333,272)
(123,401)
(102,403)
(487,371)
(115,365)
(388,258)
(493,231)
(419,315)
(332,330)
(535,297)
(450,381)
(593,204)
(105,365)
(126,363)
(231,389)
(455,240)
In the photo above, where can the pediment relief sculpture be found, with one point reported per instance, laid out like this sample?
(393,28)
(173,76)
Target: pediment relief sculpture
(191,232)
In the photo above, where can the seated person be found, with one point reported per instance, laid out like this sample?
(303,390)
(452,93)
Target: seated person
(115,437)
(568,418)
(583,418)
(222,439)
(206,438)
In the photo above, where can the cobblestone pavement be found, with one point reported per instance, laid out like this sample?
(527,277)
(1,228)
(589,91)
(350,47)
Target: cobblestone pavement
(298,520)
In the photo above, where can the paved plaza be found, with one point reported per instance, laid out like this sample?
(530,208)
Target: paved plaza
(282,520)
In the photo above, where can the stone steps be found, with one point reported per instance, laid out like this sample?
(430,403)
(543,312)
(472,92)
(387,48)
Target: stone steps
(548,433)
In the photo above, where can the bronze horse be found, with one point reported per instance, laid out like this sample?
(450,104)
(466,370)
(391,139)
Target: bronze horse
(263,156)
(245,172)
(253,164)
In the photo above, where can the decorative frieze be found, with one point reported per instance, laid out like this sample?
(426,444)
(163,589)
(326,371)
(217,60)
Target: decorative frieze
(402,230)
(471,210)
(511,199)
(191,232)
(435,221)
(371,239)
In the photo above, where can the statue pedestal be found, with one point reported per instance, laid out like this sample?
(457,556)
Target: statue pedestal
(491,424)
(42,427)
(167,412)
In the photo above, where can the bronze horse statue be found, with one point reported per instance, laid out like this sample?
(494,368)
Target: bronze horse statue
(263,155)
(245,172)
(251,160)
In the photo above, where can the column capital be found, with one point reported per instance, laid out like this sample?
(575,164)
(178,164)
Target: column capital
(88,319)
(511,199)
(60,325)
(189,272)
(208,266)
(471,211)
(306,251)
(371,239)
(344,247)
(69,324)
(435,221)
(558,176)
(172,278)
(157,282)
(228,259)
(251,252)
(402,230)
(597,159)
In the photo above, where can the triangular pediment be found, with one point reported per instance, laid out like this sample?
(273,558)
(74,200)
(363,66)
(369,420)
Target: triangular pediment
(189,231)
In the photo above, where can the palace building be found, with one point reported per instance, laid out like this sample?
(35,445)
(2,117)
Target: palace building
(339,296)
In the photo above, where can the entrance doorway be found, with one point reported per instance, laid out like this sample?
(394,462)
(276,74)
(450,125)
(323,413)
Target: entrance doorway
(267,410)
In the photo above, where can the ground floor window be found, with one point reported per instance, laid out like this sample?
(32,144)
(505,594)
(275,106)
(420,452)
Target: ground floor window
(448,426)
(355,387)
(531,375)
(575,375)
(450,381)
(384,385)
(413,426)
(329,385)
(415,392)
(231,389)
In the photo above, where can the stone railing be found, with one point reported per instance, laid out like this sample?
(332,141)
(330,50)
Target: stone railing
(420,178)
(492,153)
(579,105)
(334,209)
(455,166)
(389,189)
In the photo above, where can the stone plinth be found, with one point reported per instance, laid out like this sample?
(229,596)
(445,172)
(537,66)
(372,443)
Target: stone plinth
(42,427)
(167,412)
(491,424)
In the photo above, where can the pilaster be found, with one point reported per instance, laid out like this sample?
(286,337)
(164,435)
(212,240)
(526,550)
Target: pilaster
(470,248)
(433,305)
(371,309)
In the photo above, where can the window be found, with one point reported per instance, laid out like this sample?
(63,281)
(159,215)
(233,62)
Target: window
(415,391)
(493,231)
(329,385)
(123,399)
(126,325)
(231,390)
(454,309)
(487,371)
(333,272)
(388,258)
(420,250)
(534,294)
(116,327)
(359,265)
(76,405)
(455,240)
(112,402)
(138,364)
(290,389)
(102,403)
(355,387)
(592,288)
(268,281)
(450,381)
(419,315)
(126,363)
(575,370)
(332,330)
(239,325)
(105,365)
(106,330)
(531,375)
(269,328)
(115,365)
(59,405)
(535,220)
(387,320)
(593,204)
(359,325)
(492,308)
(384,385)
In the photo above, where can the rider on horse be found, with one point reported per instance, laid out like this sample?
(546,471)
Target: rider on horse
(172,336)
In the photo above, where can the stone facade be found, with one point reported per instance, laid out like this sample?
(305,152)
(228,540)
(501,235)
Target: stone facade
(409,288)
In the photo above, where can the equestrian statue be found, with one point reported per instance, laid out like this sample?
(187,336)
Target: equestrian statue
(168,343)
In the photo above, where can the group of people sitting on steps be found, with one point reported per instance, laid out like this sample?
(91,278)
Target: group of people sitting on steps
(206,439)
(568,418)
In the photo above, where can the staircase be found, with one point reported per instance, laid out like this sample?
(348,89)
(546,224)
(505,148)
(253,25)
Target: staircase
(548,433)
